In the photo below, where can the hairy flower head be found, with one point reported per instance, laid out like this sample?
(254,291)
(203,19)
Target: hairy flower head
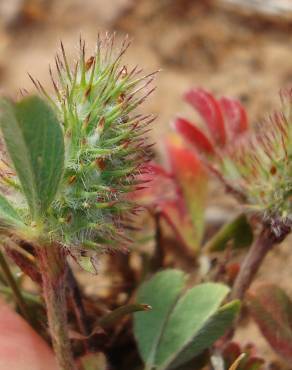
(106,148)
(253,163)
(259,164)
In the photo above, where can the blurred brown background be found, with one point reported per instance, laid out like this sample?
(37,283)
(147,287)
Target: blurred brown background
(233,47)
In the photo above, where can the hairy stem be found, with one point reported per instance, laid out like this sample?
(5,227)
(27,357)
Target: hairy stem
(52,265)
(76,301)
(255,258)
(251,265)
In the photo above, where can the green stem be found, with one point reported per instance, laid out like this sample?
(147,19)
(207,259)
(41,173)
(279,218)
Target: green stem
(14,287)
(76,299)
(52,265)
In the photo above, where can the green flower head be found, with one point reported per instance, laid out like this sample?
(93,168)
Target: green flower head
(105,147)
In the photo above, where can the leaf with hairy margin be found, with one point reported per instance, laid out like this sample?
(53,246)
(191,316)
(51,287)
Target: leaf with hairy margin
(35,143)
(8,214)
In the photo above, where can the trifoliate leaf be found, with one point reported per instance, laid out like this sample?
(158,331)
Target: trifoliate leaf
(180,326)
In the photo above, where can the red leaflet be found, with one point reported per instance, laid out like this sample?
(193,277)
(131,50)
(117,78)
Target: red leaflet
(231,352)
(272,310)
(191,179)
(254,363)
(235,116)
(251,361)
(185,164)
(194,135)
(157,187)
(209,109)
(179,220)
(179,195)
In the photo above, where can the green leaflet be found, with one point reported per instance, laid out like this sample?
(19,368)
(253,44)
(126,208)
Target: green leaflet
(161,293)
(178,329)
(210,331)
(34,140)
(8,214)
